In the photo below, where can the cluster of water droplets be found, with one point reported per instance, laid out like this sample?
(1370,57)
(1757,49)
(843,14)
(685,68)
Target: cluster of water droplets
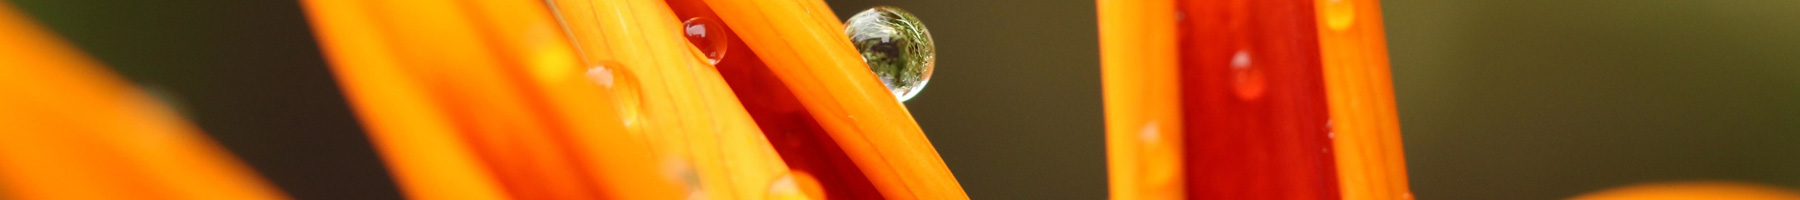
(897,48)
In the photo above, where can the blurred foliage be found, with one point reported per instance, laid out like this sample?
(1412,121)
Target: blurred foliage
(1540,99)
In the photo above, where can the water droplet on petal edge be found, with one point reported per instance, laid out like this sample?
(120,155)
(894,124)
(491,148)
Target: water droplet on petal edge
(707,35)
(896,46)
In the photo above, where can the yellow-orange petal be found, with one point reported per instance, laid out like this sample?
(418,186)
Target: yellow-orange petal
(1143,108)
(689,115)
(1360,94)
(421,147)
(482,100)
(804,45)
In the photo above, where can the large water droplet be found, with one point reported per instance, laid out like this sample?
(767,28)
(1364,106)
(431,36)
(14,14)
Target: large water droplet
(1246,78)
(623,86)
(896,46)
(1340,14)
(707,35)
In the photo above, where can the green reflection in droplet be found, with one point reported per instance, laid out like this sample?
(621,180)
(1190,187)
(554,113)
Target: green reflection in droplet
(896,46)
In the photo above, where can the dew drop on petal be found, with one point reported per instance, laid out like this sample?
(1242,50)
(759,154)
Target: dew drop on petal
(1160,166)
(796,185)
(707,35)
(896,46)
(623,86)
(682,171)
(1150,133)
(1329,132)
(1246,78)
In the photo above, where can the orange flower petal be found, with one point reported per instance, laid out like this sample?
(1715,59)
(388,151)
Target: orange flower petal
(690,116)
(1360,94)
(482,100)
(1141,91)
(803,44)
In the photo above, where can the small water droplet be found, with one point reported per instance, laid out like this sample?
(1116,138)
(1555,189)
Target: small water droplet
(796,185)
(896,46)
(1329,133)
(681,171)
(1161,158)
(623,86)
(1340,14)
(1247,78)
(708,36)
(1150,133)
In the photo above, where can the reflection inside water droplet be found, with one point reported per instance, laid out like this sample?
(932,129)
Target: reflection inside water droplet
(1246,77)
(623,86)
(708,36)
(896,46)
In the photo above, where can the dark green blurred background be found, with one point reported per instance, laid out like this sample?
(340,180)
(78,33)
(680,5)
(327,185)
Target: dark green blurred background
(1499,99)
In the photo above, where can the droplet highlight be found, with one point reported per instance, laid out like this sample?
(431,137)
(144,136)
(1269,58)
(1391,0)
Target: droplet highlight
(1247,79)
(709,36)
(896,46)
(623,87)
